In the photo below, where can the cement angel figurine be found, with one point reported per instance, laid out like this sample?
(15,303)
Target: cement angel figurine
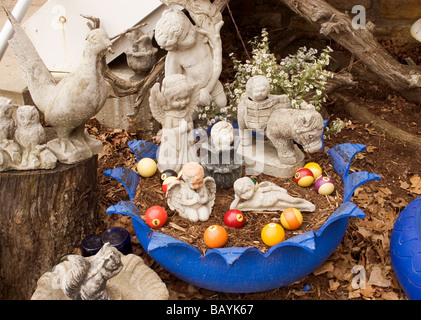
(173,106)
(194,198)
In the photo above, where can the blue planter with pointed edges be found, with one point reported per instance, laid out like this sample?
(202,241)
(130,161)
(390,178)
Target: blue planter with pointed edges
(246,270)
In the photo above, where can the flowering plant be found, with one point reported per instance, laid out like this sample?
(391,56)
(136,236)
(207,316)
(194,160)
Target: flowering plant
(299,76)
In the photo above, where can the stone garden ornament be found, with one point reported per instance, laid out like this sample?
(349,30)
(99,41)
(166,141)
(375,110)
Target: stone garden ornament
(109,275)
(273,116)
(67,105)
(173,106)
(141,56)
(219,155)
(194,198)
(23,141)
(265,196)
(194,50)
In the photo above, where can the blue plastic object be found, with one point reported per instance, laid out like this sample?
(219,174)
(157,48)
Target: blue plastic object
(246,270)
(405,249)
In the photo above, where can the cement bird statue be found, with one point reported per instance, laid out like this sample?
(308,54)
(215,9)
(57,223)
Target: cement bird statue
(67,104)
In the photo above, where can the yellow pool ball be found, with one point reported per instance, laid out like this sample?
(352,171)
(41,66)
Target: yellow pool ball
(272,234)
(146,167)
(315,168)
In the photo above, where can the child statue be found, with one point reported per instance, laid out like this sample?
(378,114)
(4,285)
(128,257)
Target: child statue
(194,198)
(173,106)
(267,196)
(193,52)
(256,107)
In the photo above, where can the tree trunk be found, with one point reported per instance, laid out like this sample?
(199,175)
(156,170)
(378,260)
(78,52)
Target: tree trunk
(338,26)
(44,214)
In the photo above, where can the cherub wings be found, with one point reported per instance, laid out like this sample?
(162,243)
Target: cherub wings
(175,193)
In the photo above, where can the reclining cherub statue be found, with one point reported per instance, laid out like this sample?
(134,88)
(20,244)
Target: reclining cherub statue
(266,196)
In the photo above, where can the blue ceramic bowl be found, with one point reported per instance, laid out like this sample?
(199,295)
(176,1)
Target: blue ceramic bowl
(246,270)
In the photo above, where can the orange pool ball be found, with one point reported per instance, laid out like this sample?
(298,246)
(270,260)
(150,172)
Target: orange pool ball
(215,236)
(272,234)
(291,219)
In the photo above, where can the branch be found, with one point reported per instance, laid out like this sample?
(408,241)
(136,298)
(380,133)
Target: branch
(361,42)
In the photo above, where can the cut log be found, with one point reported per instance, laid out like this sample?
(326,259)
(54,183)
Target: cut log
(44,215)
(338,26)
(362,114)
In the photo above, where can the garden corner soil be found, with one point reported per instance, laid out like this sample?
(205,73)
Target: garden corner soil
(366,242)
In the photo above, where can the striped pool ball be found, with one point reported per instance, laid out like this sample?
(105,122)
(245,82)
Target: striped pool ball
(291,219)
(315,168)
(324,186)
(304,177)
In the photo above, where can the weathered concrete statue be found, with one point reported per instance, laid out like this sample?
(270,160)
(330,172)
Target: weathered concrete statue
(23,141)
(267,196)
(67,105)
(109,275)
(194,198)
(273,116)
(219,155)
(172,106)
(141,56)
(194,50)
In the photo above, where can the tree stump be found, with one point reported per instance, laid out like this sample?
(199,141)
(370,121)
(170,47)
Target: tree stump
(44,215)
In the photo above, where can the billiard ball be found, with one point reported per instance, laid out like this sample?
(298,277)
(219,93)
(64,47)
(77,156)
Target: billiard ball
(167,173)
(324,186)
(215,236)
(304,177)
(291,219)
(146,167)
(156,216)
(315,168)
(234,218)
(272,234)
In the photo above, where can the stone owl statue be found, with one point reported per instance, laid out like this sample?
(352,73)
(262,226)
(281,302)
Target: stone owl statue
(30,134)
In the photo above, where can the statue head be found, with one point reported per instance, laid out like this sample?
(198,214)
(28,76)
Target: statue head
(98,42)
(258,88)
(222,135)
(193,175)
(175,31)
(244,188)
(177,91)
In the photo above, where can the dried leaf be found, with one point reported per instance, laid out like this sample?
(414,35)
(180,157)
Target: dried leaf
(368,291)
(378,279)
(415,184)
(371,149)
(333,285)
(404,185)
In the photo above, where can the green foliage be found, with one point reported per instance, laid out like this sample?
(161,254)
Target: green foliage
(299,75)
(296,75)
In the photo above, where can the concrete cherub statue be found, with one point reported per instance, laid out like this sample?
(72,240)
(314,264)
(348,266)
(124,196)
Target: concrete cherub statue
(173,106)
(267,196)
(194,198)
(194,52)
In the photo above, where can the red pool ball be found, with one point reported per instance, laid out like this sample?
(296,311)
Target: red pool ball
(234,218)
(304,177)
(156,216)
